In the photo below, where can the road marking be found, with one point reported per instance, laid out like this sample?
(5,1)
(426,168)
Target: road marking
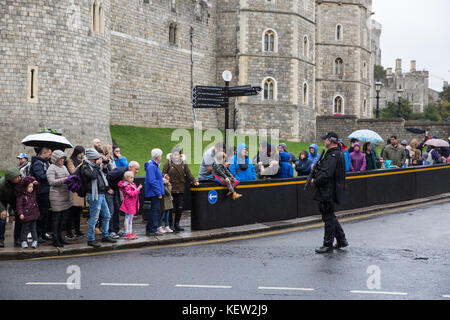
(202,286)
(50,283)
(285,288)
(250,236)
(125,284)
(380,292)
(446,295)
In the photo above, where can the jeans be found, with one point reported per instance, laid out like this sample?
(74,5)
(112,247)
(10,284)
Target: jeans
(96,208)
(113,201)
(43,202)
(29,227)
(164,217)
(153,216)
(333,228)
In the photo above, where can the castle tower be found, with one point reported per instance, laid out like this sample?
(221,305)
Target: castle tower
(55,72)
(344,68)
(271,44)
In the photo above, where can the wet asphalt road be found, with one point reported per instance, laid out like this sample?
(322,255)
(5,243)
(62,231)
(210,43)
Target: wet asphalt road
(409,249)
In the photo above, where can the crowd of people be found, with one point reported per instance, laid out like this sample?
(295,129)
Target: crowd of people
(48,192)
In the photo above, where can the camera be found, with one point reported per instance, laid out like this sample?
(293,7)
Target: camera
(105,161)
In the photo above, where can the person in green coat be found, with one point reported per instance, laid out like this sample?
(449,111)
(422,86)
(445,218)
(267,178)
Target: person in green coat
(8,197)
(372,160)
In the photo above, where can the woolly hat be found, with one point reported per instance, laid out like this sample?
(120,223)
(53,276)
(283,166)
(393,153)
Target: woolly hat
(92,154)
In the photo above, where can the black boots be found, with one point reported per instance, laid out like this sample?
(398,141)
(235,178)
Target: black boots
(177,222)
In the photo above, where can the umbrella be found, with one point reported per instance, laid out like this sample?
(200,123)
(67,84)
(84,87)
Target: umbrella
(437,143)
(416,131)
(49,140)
(366,136)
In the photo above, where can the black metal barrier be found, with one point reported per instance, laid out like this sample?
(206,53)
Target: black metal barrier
(283,199)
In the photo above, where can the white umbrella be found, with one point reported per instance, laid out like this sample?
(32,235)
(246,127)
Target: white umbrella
(49,140)
(366,136)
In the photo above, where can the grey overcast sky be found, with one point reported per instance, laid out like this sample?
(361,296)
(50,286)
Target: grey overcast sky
(416,30)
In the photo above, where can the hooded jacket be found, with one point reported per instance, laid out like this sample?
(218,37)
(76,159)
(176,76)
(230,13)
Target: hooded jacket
(154,186)
(130,204)
(39,167)
(60,197)
(178,173)
(358,162)
(240,167)
(315,157)
(286,170)
(293,158)
(26,202)
(303,167)
(7,189)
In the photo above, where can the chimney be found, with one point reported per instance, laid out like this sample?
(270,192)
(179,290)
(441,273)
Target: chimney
(413,65)
(398,67)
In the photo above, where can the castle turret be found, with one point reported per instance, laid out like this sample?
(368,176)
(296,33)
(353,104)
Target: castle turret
(344,54)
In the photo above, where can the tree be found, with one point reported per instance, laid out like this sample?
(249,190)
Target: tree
(392,110)
(445,94)
(379,73)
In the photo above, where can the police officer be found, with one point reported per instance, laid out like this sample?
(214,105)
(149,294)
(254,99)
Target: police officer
(329,188)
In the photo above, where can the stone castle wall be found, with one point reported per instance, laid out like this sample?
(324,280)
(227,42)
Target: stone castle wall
(150,77)
(345,125)
(73,73)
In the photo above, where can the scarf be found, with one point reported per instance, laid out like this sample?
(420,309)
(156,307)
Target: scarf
(94,185)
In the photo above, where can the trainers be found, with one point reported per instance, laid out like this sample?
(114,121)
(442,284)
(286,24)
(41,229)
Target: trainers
(46,236)
(134,236)
(24,244)
(34,244)
(341,244)
(128,236)
(120,233)
(114,235)
(160,230)
(29,236)
(108,239)
(167,229)
(93,243)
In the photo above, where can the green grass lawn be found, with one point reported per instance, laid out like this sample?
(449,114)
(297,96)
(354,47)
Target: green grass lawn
(136,143)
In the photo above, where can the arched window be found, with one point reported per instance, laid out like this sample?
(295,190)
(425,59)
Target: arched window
(305,47)
(269,41)
(338,105)
(305,93)
(338,66)
(98,17)
(339,32)
(172,33)
(269,89)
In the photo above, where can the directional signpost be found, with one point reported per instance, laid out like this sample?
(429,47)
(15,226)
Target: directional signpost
(218,97)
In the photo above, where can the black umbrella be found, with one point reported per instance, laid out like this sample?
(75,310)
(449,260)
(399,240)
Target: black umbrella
(48,140)
(416,131)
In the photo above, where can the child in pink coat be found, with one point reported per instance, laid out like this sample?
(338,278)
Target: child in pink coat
(130,204)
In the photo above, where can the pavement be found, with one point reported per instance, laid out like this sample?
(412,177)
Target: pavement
(79,246)
(397,256)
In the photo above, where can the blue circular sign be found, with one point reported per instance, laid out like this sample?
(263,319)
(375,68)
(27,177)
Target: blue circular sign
(212,196)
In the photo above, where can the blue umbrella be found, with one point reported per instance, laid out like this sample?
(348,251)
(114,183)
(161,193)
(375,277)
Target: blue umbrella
(366,136)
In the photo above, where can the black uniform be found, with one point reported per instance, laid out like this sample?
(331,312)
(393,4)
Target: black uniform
(329,183)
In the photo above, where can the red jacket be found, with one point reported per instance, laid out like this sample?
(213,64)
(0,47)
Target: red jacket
(130,202)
